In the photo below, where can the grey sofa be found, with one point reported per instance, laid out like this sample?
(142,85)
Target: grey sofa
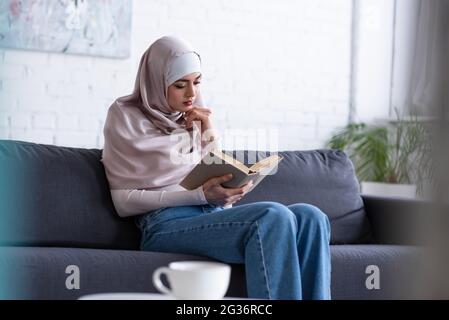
(56,211)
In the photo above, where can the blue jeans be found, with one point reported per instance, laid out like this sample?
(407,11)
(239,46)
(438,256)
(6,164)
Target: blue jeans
(285,249)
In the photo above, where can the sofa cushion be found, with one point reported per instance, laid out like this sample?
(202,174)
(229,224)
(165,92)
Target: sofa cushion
(40,273)
(354,268)
(58,196)
(324,178)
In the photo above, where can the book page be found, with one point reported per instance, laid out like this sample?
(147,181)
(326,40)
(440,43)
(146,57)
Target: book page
(265,163)
(232,161)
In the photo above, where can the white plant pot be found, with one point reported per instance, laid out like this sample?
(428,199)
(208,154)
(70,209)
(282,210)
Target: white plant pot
(388,189)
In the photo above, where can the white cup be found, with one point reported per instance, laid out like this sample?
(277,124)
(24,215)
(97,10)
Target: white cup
(194,280)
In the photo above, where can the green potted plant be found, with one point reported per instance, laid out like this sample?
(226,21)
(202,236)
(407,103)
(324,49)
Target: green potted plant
(391,158)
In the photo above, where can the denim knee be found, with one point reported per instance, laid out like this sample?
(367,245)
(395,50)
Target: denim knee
(278,214)
(310,213)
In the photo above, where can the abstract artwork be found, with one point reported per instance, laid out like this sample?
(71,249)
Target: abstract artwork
(90,27)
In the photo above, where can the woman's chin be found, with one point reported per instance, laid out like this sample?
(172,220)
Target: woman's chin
(183,108)
(177,109)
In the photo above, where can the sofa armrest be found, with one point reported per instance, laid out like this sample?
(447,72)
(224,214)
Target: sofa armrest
(398,220)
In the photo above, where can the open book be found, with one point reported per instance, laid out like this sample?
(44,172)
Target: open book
(217,163)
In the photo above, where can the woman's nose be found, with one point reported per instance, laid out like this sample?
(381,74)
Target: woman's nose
(190,91)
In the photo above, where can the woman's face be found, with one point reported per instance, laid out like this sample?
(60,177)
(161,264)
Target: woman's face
(183,91)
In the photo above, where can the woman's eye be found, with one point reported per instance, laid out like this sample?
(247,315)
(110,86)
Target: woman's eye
(182,87)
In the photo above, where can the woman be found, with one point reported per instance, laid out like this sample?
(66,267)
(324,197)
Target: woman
(285,249)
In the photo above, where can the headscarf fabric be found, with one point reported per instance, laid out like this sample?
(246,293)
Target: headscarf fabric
(146,143)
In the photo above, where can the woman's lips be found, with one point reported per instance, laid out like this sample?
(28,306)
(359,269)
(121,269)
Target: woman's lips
(188,103)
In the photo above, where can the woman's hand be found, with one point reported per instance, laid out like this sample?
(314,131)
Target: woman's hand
(196,113)
(216,194)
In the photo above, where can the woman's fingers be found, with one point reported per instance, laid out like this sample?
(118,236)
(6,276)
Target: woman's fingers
(194,115)
(247,186)
(239,191)
(198,110)
(224,196)
(201,109)
(221,179)
(232,200)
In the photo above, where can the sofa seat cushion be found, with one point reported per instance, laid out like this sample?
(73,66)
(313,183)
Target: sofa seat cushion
(40,272)
(398,266)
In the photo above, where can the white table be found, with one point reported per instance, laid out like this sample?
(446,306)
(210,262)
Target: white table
(136,296)
(126,296)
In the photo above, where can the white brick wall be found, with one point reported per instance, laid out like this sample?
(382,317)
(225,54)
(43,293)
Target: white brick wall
(276,65)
